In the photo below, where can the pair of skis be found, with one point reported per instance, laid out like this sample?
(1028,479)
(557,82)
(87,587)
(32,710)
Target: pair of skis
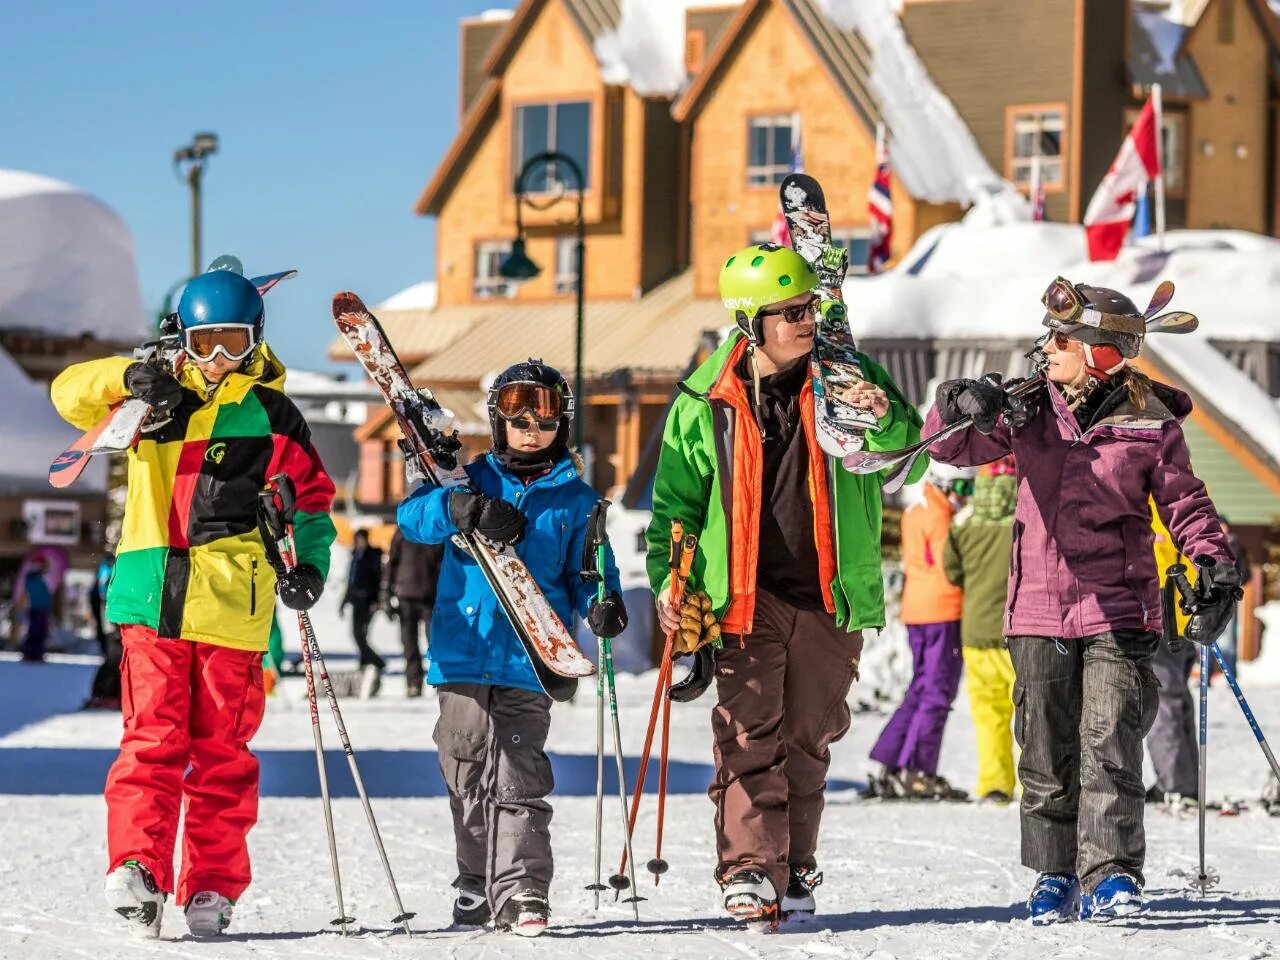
(556,658)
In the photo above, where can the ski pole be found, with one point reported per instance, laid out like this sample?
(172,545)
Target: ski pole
(1206,879)
(683,547)
(1244,708)
(270,513)
(283,488)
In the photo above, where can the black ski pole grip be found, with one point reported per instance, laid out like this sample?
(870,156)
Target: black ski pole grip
(1190,600)
(288,495)
(596,537)
(269,511)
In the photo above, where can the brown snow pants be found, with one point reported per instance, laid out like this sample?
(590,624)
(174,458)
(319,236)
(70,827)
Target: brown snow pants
(781,704)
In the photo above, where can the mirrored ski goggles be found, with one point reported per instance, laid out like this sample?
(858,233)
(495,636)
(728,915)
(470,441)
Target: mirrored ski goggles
(545,404)
(234,341)
(1063,300)
(794,313)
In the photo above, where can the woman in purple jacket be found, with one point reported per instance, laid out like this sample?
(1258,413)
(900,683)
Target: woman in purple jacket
(1083,614)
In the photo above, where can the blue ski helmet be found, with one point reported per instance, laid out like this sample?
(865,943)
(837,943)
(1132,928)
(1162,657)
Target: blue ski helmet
(219,298)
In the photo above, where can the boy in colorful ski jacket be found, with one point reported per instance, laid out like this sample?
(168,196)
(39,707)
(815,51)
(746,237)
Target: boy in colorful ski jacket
(789,555)
(495,711)
(1083,615)
(193,590)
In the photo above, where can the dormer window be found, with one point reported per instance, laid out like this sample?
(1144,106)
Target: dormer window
(544,127)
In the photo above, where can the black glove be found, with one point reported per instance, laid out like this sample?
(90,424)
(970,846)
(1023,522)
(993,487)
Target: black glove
(1020,410)
(944,399)
(1220,585)
(607,617)
(300,587)
(493,518)
(154,386)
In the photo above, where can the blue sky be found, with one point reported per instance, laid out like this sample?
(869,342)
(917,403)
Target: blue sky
(332,117)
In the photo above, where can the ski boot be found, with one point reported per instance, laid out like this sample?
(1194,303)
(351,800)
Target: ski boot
(132,892)
(798,903)
(524,914)
(1055,898)
(208,914)
(370,681)
(995,798)
(470,909)
(1117,896)
(887,785)
(749,896)
(917,785)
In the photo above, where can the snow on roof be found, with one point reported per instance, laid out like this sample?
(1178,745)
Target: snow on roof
(497,14)
(66,262)
(34,434)
(1165,35)
(325,386)
(646,52)
(965,282)
(421,296)
(933,150)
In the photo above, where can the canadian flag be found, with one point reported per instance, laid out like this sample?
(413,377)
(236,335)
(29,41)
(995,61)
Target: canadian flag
(1112,208)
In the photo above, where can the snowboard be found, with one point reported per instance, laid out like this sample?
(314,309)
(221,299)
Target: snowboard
(835,361)
(550,646)
(117,431)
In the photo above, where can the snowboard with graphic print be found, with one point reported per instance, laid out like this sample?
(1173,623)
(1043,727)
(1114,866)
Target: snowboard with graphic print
(835,362)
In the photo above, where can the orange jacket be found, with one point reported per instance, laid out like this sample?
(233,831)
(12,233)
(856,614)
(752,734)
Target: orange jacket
(927,596)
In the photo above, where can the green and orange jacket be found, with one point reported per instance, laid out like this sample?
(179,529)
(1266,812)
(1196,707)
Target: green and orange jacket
(190,562)
(709,477)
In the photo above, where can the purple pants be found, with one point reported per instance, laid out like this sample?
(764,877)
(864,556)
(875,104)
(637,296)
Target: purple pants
(912,739)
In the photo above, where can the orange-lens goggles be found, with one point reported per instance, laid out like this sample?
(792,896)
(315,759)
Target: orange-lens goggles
(233,342)
(516,399)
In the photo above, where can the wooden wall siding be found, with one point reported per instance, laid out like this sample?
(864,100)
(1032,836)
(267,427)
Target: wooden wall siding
(985,54)
(478,38)
(774,70)
(1105,93)
(711,22)
(1238,492)
(661,180)
(553,63)
(1224,190)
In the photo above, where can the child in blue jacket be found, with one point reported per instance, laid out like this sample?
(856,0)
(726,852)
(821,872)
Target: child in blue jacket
(494,710)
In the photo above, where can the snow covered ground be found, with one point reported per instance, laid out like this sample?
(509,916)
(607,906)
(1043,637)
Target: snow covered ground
(901,880)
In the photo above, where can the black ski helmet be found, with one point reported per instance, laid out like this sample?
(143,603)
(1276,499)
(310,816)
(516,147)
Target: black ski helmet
(532,371)
(1107,317)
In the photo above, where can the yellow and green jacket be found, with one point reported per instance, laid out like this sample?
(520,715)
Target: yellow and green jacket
(190,562)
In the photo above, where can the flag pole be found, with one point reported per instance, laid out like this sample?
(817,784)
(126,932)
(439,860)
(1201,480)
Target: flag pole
(879,142)
(1158,103)
(1035,185)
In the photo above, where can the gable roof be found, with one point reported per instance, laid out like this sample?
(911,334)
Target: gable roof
(1263,15)
(474,124)
(592,17)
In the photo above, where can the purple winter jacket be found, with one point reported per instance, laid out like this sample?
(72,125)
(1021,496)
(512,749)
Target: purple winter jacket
(1082,560)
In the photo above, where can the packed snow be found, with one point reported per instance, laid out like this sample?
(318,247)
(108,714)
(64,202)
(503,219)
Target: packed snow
(420,296)
(902,880)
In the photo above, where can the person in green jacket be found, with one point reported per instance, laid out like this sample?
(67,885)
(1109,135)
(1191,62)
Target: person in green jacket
(976,559)
(788,561)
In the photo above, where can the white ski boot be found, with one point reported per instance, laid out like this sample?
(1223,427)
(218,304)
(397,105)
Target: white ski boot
(131,892)
(798,903)
(749,896)
(208,914)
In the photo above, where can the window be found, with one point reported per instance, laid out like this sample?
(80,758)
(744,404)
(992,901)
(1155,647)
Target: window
(540,128)
(770,148)
(566,265)
(1031,132)
(488,281)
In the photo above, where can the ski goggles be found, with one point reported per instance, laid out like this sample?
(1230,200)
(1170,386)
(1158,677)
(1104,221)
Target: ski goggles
(1063,301)
(792,314)
(234,341)
(545,404)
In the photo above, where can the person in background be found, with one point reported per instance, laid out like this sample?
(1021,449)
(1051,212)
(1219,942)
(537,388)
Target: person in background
(104,694)
(364,583)
(37,599)
(909,745)
(409,594)
(976,561)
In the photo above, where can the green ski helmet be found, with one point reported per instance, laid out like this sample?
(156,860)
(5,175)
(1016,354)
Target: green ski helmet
(762,274)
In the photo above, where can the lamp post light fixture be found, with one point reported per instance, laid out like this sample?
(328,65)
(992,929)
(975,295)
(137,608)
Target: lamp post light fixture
(193,158)
(518,267)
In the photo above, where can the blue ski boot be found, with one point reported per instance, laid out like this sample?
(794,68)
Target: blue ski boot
(1117,896)
(1056,898)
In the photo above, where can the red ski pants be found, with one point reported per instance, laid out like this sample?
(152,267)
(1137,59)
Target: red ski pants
(190,710)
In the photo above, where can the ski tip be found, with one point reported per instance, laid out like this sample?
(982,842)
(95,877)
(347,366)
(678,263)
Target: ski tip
(346,301)
(66,468)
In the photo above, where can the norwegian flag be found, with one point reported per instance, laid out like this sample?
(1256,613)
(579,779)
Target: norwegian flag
(778,233)
(1113,205)
(880,210)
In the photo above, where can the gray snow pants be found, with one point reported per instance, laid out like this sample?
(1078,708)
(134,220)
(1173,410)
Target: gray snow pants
(1172,742)
(1082,709)
(490,742)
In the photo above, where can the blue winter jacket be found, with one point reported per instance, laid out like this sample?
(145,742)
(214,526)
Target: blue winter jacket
(471,639)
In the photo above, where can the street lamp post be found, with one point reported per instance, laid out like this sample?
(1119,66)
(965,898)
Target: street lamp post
(194,155)
(518,267)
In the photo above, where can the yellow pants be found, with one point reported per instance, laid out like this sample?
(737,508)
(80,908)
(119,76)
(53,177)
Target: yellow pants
(989,677)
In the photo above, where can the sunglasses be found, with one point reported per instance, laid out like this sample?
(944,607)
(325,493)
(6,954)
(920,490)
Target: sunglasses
(235,342)
(1063,300)
(792,314)
(1062,342)
(524,423)
(516,399)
